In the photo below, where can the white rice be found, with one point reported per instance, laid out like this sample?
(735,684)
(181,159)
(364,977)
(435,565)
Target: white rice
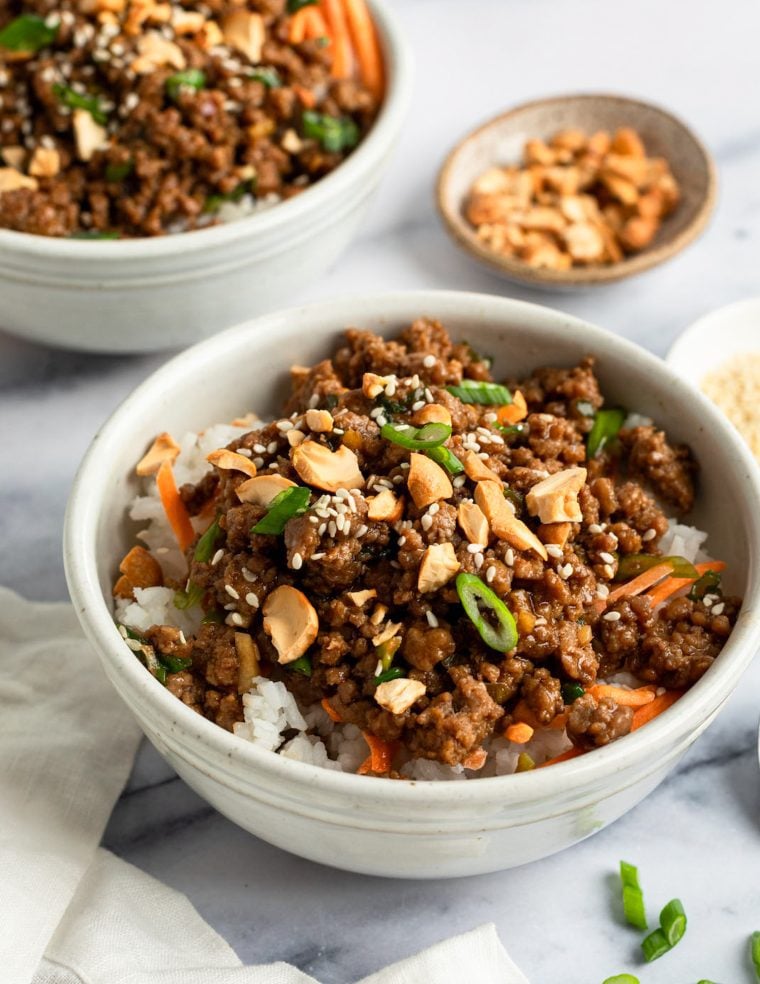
(270,710)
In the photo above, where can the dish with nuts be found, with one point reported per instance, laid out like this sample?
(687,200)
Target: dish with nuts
(578,200)
(132,118)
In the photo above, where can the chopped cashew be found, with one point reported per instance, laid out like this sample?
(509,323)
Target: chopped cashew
(432,413)
(319,421)
(164,448)
(490,497)
(473,522)
(385,506)
(187,21)
(12,180)
(373,385)
(556,533)
(231,461)
(378,614)
(156,51)
(88,134)
(290,621)
(397,696)
(245,31)
(477,470)
(388,633)
(211,34)
(325,469)
(295,437)
(427,481)
(45,162)
(14,156)
(249,665)
(439,565)
(262,489)
(360,598)
(555,500)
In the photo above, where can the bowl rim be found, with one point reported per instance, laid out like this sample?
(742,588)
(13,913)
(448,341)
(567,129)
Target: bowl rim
(517,270)
(691,714)
(352,171)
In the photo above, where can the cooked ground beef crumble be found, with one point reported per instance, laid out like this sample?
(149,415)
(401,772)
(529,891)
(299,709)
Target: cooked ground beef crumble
(378,558)
(141,117)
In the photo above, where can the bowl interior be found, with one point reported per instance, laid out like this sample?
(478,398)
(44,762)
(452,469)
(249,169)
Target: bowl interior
(247,368)
(501,141)
(715,338)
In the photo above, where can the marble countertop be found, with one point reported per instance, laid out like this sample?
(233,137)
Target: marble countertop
(698,835)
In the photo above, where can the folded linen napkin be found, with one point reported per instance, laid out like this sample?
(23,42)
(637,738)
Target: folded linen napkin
(72,913)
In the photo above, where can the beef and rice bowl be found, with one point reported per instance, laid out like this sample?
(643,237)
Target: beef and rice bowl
(419,572)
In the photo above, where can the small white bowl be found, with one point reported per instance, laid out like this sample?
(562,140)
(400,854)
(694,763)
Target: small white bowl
(382,826)
(149,294)
(715,338)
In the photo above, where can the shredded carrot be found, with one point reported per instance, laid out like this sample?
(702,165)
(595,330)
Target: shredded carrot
(174,507)
(366,46)
(571,753)
(559,722)
(648,712)
(337,26)
(673,585)
(330,711)
(623,697)
(316,25)
(476,760)
(519,733)
(298,24)
(514,412)
(380,755)
(307,97)
(635,587)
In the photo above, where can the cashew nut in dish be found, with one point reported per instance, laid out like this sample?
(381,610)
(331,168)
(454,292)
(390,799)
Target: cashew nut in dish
(473,522)
(232,461)
(398,696)
(262,489)
(325,469)
(477,470)
(555,499)
(290,621)
(427,481)
(385,506)
(490,497)
(319,421)
(164,448)
(439,565)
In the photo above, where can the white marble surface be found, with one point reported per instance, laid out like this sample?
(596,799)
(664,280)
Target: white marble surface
(698,836)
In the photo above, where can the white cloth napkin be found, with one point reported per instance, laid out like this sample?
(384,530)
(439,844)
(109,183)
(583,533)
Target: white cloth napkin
(72,913)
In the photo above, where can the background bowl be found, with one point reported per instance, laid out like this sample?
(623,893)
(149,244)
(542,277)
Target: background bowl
(715,338)
(380,826)
(501,141)
(157,293)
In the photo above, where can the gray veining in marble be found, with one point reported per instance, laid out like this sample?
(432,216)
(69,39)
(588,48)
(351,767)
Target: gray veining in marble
(698,836)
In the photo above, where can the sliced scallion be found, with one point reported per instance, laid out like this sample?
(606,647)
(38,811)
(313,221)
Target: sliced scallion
(708,583)
(485,394)
(189,597)
(446,459)
(334,133)
(673,921)
(634,564)
(392,673)
(75,100)
(754,950)
(607,424)
(117,172)
(285,505)
(267,76)
(622,979)
(214,617)
(301,665)
(94,234)
(571,692)
(477,598)
(512,430)
(524,763)
(191,79)
(204,548)
(431,435)
(655,945)
(28,33)
(633,897)
(175,664)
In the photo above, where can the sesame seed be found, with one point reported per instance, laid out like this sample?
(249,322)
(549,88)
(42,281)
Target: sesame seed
(361,531)
(649,535)
(595,528)
(252,600)
(161,550)
(230,607)
(426,522)
(474,548)
(332,528)
(134,645)
(313,401)
(231,591)
(718,609)
(338,430)
(432,620)
(246,452)
(250,578)
(123,631)
(272,447)
(390,389)
(382,420)
(602,591)
(429,395)
(478,560)
(259,462)
(322,529)
(284,426)
(490,573)
(379,668)
(297,562)
(401,541)
(608,571)
(234,618)
(217,557)
(376,412)
(418,405)
(611,616)
(182,638)
(398,479)
(553,550)
(317,556)
(606,558)
(509,557)
(259,449)
(566,571)
(490,418)
(433,509)
(429,361)
(314,519)
(459,481)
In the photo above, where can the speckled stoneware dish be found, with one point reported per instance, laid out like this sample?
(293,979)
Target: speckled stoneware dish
(501,141)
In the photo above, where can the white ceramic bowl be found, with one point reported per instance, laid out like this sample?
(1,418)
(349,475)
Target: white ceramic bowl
(157,293)
(715,338)
(380,826)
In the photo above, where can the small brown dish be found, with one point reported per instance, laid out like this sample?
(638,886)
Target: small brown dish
(500,141)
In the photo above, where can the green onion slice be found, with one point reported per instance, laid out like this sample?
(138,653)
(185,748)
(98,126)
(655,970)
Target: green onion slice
(94,234)
(416,438)
(655,945)
(117,172)
(486,394)
(524,763)
(634,564)
(191,78)
(267,75)
(708,583)
(214,617)
(476,597)
(214,202)
(607,424)
(334,133)
(571,692)
(633,897)
(622,979)
(387,650)
(673,921)
(285,505)
(513,430)
(175,664)
(393,673)
(27,33)
(301,665)
(189,598)
(204,548)
(754,949)
(446,459)
(75,100)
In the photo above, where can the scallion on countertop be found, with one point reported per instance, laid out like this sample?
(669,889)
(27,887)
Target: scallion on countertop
(285,505)
(622,979)
(485,394)
(655,945)
(431,435)
(28,33)
(754,949)
(607,424)
(673,921)
(633,897)
(487,612)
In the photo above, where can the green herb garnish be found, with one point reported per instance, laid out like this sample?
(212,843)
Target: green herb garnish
(525,763)
(634,564)
(334,133)
(447,459)
(189,597)
(633,897)
(301,665)
(75,100)
(267,76)
(393,673)
(117,172)
(191,78)
(478,600)
(204,548)
(28,33)
(485,394)
(607,424)
(285,505)
(571,692)
(672,929)
(708,583)
(431,435)
(175,664)
(622,979)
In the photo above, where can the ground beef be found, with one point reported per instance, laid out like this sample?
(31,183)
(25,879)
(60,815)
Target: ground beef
(168,150)
(359,573)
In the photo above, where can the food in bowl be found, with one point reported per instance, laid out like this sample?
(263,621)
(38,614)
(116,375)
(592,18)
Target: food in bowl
(132,118)
(577,200)
(418,572)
